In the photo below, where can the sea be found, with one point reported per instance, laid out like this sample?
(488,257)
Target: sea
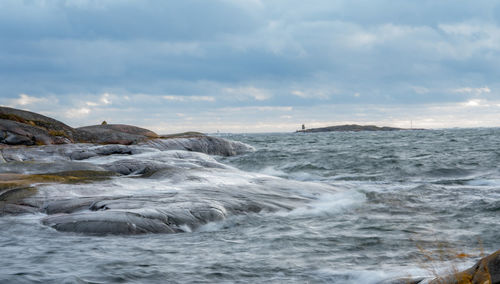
(380,205)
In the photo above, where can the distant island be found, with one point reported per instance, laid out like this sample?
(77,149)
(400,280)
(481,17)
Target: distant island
(354,127)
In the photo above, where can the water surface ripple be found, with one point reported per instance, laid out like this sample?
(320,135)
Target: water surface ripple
(401,194)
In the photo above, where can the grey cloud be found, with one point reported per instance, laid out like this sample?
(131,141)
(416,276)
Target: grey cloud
(149,19)
(333,50)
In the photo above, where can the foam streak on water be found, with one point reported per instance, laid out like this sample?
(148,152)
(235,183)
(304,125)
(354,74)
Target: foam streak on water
(366,206)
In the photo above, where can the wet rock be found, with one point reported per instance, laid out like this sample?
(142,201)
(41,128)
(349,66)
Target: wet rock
(204,144)
(115,222)
(105,150)
(35,167)
(81,151)
(177,191)
(14,194)
(69,205)
(68,152)
(402,281)
(181,201)
(133,166)
(15,209)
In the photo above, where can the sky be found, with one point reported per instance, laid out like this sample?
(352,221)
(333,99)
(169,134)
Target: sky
(253,65)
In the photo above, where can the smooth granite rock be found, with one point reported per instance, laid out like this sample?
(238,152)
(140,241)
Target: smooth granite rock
(39,128)
(114,134)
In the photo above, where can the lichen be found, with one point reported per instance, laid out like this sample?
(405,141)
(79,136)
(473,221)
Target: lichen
(9,181)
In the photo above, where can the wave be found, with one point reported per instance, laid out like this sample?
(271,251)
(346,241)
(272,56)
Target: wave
(155,190)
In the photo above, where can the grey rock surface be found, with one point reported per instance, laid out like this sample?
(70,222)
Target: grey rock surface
(149,188)
(113,134)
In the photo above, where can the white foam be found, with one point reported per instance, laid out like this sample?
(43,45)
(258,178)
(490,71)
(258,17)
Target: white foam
(353,277)
(328,204)
(272,171)
(185,228)
(212,226)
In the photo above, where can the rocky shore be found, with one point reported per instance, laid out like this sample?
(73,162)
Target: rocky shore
(122,179)
(36,150)
(19,127)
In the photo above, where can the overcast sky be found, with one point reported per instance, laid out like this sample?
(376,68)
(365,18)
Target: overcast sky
(253,65)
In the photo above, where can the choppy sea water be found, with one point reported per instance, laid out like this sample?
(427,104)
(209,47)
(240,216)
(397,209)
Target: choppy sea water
(405,203)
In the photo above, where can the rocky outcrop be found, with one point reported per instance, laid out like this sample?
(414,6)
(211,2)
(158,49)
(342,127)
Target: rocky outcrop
(83,151)
(485,271)
(203,144)
(113,134)
(353,127)
(135,189)
(19,127)
(15,133)
(36,120)
(129,180)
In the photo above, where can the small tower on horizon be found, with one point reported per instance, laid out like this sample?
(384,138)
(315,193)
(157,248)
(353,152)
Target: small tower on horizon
(303,127)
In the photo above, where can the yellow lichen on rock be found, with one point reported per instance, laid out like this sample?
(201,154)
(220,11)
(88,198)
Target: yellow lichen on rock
(11,180)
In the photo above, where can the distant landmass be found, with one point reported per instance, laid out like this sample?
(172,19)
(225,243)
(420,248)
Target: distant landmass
(355,127)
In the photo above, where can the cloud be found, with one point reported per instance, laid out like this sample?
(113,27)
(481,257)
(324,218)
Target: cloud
(256,56)
(473,91)
(189,98)
(274,108)
(258,109)
(243,93)
(311,94)
(26,100)
(105,99)
(77,112)
(476,103)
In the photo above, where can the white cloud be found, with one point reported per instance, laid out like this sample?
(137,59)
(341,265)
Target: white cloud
(257,108)
(189,98)
(249,92)
(273,108)
(77,112)
(104,99)
(473,91)
(475,103)
(310,94)
(26,100)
